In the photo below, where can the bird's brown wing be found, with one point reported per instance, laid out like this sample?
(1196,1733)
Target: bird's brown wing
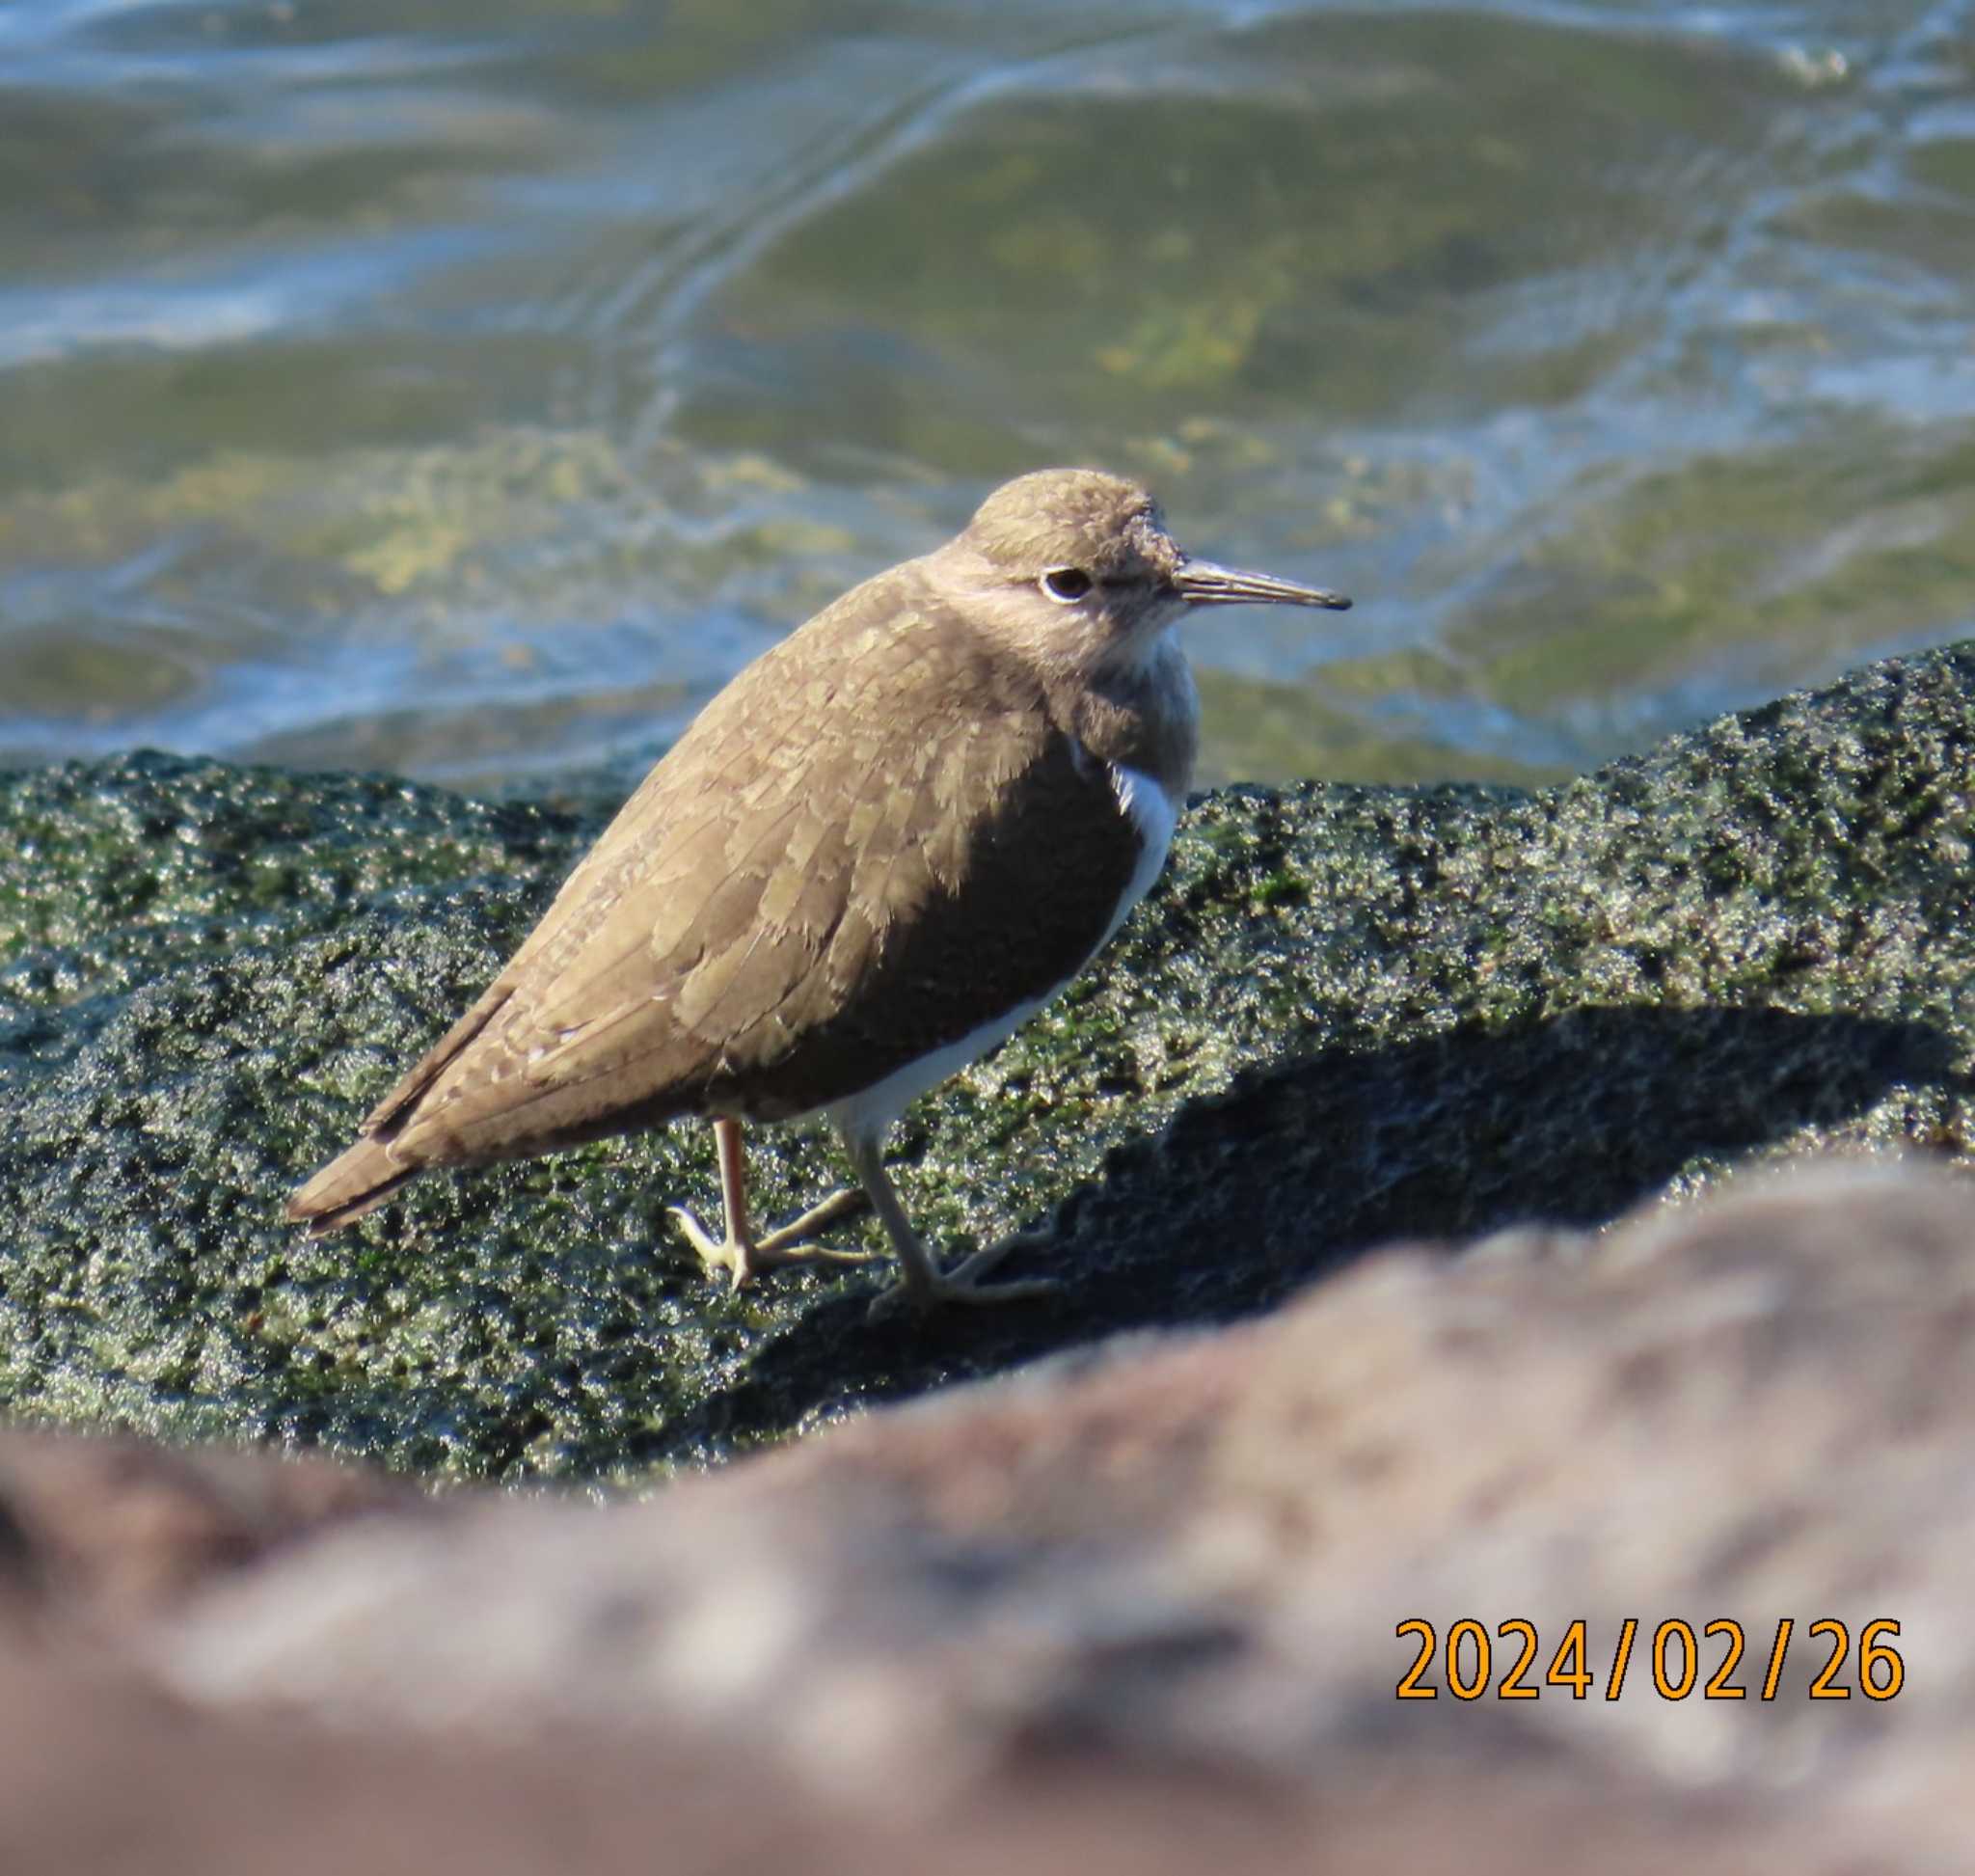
(833,872)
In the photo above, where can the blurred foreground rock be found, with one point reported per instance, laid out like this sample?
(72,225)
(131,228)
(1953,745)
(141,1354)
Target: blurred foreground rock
(1133,1610)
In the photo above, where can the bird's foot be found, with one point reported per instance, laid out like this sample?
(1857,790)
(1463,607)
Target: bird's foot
(932,1288)
(744,1259)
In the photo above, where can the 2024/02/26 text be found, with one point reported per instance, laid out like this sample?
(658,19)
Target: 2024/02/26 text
(1674,1651)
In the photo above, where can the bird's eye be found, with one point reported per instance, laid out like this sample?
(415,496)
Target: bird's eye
(1067,584)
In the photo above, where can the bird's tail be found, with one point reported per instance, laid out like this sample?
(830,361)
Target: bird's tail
(352,1183)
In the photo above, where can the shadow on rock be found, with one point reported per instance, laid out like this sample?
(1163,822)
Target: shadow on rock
(1294,1173)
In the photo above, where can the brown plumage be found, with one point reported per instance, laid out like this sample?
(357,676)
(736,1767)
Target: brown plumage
(892,833)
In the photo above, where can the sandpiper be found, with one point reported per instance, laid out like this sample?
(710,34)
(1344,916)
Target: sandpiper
(879,851)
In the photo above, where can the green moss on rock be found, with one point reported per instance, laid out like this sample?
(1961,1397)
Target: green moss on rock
(1348,1013)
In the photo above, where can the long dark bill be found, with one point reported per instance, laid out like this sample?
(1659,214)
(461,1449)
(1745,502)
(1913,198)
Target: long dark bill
(1200,582)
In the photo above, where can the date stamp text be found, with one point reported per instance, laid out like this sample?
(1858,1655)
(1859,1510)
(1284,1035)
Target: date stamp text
(1717,1664)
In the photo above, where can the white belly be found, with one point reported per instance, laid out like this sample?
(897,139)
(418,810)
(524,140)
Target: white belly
(870,1114)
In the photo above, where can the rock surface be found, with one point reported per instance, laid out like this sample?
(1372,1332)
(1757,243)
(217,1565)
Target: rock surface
(1134,1610)
(1347,1015)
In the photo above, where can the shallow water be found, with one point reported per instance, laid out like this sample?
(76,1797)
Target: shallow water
(472,390)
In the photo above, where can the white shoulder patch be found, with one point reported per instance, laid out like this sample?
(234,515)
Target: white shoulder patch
(1154,814)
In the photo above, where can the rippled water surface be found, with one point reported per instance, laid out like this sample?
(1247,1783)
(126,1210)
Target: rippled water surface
(472,389)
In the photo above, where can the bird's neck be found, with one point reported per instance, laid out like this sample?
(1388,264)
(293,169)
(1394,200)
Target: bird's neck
(1143,715)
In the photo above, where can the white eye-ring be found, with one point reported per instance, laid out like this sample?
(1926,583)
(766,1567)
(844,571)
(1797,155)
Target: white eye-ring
(1065,586)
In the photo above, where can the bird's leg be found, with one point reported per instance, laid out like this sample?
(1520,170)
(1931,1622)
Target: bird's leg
(922,1283)
(739,1253)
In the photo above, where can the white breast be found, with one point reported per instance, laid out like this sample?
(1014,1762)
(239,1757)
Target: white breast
(870,1114)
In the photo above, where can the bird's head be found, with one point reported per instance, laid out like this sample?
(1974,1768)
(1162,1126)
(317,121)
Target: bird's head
(1079,564)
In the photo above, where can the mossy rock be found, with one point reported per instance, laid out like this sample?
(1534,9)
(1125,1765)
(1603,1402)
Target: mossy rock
(1347,1014)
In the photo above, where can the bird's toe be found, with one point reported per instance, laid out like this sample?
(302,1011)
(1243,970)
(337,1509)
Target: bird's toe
(963,1285)
(717,1256)
(796,1240)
